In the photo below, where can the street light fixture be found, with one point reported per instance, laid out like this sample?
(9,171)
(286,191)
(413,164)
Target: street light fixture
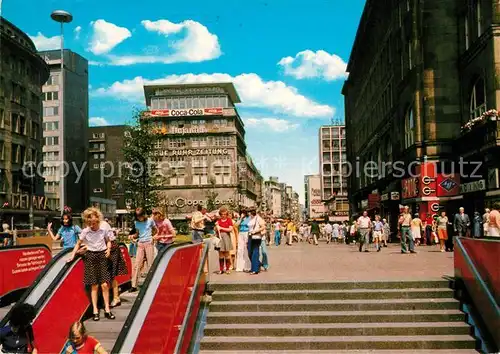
(62,17)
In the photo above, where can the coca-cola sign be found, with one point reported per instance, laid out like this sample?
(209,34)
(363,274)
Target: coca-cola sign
(191,112)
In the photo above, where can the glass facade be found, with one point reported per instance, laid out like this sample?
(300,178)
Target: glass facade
(187,102)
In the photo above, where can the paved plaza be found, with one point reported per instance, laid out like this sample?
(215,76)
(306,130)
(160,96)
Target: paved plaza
(303,262)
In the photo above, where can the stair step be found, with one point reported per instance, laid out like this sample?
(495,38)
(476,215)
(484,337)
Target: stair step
(334,305)
(329,285)
(343,343)
(351,294)
(336,316)
(422,351)
(338,329)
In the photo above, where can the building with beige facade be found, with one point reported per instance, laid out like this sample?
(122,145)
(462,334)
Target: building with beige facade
(202,149)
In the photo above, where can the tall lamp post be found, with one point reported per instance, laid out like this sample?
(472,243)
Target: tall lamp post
(62,17)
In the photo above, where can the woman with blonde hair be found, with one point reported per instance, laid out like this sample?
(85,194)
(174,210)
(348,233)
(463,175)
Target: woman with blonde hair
(96,243)
(81,343)
(224,227)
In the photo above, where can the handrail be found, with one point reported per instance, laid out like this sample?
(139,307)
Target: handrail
(474,270)
(40,277)
(491,320)
(142,293)
(192,298)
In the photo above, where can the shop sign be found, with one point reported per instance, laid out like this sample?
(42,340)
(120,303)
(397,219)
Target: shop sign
(434,207)
(316,192)
(448,186)
(197,130)
(190,91)
(409,187)
(364,203)
(340,213)
(395,196)
(229,112)
(21,201)
(472,187)
(316,202)
(183,112)
(190,152)
(428,179)
(180,202)
(384,197)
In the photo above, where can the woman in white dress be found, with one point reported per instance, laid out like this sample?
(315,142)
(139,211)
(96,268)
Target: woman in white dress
(416,229)
(242,260)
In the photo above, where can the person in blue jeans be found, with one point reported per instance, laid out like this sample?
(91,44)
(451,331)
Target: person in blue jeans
(265,259)
(256,227)
(67,233)
(277,233)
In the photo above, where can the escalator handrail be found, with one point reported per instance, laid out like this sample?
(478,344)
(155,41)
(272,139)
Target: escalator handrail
(478,277)
(39,278)
(192,298)
(142,293)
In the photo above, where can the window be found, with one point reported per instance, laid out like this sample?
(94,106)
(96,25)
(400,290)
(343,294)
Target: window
(16,153)
(22,125)
(51,156)
(158,144)
(96,156)
(15,122)
(479,20)
(199,142)
(51,96)
(410,59)
(477,99)
(2,150)
(220,122)
(49,126)
(50,111)
(176,143)
(53,80)
(198,122)
(2,87)
(52,140)
(221,141)
(409,129)
(178,175)
(2,118)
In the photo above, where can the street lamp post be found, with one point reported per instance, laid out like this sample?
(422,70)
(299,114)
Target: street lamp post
(62,17)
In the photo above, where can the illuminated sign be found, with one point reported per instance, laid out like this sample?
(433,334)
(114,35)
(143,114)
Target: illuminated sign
(184,112)
(316,202)
(190,152)
(427,191)
(409,188)
(190,91)
(180,202)
(435,207)
(196,130)
(21,201)
(471,187)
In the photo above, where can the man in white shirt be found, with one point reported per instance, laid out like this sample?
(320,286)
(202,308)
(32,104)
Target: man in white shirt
(364,226)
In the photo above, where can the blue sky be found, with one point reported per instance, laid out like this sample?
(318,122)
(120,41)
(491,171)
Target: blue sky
(287,59)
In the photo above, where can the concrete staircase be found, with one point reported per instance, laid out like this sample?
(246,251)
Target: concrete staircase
(334,317)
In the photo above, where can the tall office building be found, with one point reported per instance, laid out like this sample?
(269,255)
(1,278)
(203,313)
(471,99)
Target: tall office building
(22,74)
(65,136)
(332,157)
(202,149)
(273,196)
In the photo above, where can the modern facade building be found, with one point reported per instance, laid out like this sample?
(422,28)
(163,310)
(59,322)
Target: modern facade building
(333,170)
(66,136)
(22,74)
(315,207)
(202,147)
(105,159)
(415,82)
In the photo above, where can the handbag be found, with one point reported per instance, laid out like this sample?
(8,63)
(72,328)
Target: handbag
(256,236)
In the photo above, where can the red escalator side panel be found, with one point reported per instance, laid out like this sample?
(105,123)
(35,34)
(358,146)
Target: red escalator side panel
(67,304)
(159,333)
(485,255)
(192,320)
(19,267)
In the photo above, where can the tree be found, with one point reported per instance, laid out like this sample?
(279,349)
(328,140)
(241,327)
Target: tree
(141,175)
(212,195)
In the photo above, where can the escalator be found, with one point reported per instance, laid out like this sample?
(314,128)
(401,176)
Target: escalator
(159,318)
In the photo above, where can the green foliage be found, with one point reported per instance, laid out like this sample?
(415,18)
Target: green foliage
(141,176)
(211,196)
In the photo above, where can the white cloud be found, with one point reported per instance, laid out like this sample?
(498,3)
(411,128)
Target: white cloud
(308,64)
(106,36)
(77,32)
(46,43)
(276,124)
(253,90)
(98,122)
(197,45)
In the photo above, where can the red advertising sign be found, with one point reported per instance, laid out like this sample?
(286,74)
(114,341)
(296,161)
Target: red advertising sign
(448,185)
(373,200)
(19,266)
(409,188)
(428,178)
(184,112)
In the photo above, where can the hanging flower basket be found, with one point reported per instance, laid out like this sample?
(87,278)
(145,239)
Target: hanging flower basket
(492,114)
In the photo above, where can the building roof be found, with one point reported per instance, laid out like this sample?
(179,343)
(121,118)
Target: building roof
(228,87)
